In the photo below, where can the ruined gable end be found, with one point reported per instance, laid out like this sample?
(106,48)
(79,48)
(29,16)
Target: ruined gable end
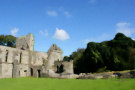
(25,42)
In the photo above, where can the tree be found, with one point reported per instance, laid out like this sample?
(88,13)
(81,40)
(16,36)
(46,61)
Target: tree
(7,40)
(93,57)
(66,58)
(76,57)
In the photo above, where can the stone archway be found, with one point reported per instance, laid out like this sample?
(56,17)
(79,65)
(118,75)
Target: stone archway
(31,71)
(60,69)
(38,73)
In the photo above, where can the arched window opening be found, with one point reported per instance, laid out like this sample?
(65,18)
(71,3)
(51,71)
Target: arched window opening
(20,57)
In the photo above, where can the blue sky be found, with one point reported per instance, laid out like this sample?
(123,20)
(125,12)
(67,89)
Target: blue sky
(68,23)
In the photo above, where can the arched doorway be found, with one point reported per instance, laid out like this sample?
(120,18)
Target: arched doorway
(60,69)
(39,73)
(31,71)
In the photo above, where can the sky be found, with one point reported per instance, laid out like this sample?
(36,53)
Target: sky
(70,24)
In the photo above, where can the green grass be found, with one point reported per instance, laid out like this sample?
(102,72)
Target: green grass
(66,84)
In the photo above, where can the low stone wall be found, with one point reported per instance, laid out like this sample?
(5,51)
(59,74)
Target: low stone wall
(130,74)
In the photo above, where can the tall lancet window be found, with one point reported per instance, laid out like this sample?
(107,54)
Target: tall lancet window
(20,57)
(6,56)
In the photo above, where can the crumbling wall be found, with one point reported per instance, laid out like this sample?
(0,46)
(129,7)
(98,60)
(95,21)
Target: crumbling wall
(54,54)
(24,58)
(38,64)
(21,43)
(12,64)
(30,41)
(67,66)
(24,70)
(25,42)
(38,58)
(7,70)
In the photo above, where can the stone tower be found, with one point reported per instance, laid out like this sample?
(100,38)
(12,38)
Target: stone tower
(54,54)
(25,42)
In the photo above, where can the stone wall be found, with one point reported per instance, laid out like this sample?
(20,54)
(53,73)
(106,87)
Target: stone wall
(7,70)
(54,54)
(14,62)
(67,67)
(25,42)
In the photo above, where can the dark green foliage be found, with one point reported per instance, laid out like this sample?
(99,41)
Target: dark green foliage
(66,58)
(7,40)
(76,57)
(121,41)
(117,54)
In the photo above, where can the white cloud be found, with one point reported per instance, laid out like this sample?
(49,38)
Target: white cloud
(43,32)
(87,41)
(133,39)
(101,38)
(52,13)
(59,11)
(14,31)
(125,28)
(67,14)
(122,27)
(92,1)
(61,34)
(122,24)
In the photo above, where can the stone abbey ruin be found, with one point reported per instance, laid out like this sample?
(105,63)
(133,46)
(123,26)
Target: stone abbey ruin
(23,61)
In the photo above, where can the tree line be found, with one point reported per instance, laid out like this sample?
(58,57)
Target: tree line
(114,55)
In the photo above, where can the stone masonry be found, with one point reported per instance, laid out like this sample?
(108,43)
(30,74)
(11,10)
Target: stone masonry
(22,61)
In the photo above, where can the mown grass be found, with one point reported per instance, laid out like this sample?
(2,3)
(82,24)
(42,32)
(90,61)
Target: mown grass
(66,84)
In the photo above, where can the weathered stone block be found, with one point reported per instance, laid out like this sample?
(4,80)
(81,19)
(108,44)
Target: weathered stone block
(7,70)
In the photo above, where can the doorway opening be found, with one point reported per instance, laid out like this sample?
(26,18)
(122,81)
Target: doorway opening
(39,73)
(25,72)
(19,73)
(31,70)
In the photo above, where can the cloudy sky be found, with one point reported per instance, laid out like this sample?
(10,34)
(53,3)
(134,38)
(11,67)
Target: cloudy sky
(68,23)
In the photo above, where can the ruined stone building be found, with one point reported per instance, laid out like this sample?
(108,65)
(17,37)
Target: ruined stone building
(23,61)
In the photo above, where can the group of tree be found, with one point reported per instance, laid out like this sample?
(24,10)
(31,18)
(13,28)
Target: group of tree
(114,55)
(7,40)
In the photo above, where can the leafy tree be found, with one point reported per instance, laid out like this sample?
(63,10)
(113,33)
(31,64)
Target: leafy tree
(75,56)
(66,58)
(7,40)
(92,57)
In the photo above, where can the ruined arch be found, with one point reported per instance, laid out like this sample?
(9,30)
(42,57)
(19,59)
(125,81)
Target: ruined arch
(60,69)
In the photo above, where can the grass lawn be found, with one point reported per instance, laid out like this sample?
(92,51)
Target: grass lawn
(66,84)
